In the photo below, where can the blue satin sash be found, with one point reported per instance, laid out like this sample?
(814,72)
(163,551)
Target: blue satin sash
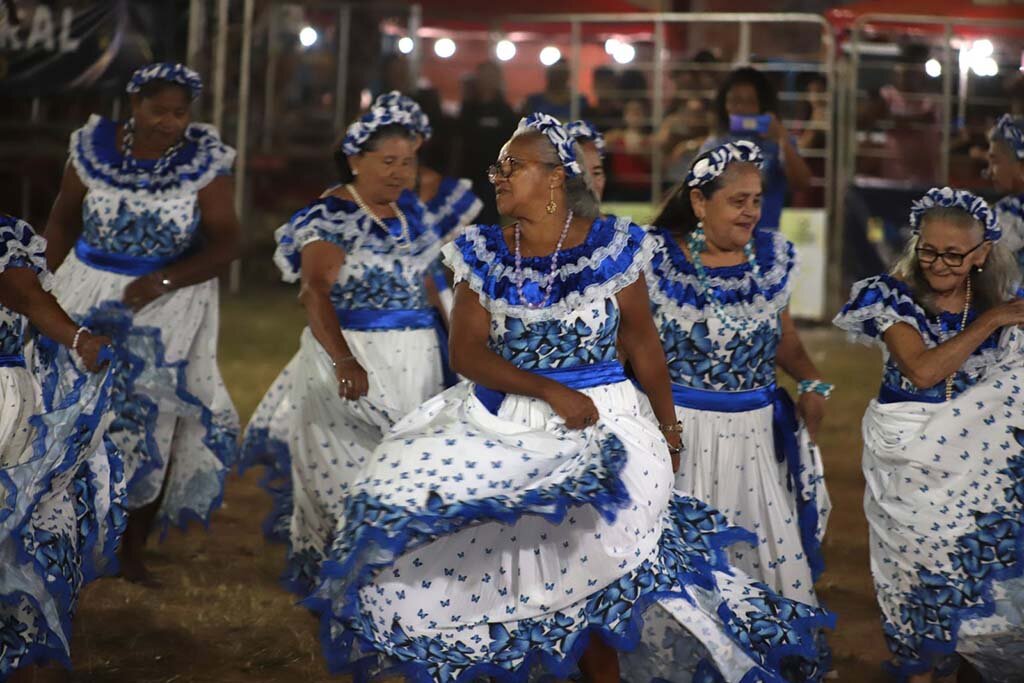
(12,360)
(122,264)
(785,428)
(377,320)
(578,377)
(888,394)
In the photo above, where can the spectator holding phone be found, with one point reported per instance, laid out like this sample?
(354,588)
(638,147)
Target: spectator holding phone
(745,109)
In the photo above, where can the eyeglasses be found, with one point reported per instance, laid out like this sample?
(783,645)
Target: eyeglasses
(508,166)
(953,259)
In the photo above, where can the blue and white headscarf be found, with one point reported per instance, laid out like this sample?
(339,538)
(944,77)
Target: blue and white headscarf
(396,100)
(949,198)
(584,131)
(556,133)
(1012,132)
(713,165)
(388,109)
(178,74)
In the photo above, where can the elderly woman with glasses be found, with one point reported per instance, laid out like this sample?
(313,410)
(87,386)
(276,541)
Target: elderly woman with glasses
(943,444)
(524,520)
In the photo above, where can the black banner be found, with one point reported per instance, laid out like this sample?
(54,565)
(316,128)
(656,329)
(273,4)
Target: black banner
(47,47)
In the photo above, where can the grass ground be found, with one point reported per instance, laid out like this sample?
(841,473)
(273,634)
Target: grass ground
(222,617)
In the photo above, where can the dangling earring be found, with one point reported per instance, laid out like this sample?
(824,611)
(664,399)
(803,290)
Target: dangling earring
(552,207)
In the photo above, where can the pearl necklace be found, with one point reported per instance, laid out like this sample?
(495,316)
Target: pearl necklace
(963,325)
(128,144)
(406,241)
(697,242)
(549,279)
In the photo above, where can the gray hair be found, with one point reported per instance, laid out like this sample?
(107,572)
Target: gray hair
(579,193)
(994,285)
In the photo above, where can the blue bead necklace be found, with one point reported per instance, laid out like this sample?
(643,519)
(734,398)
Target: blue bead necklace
(697,242)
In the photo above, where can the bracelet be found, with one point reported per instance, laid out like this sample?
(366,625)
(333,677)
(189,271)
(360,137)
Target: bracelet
(823,389)
(673,428)
(78,335)
(163,281)
(334,363)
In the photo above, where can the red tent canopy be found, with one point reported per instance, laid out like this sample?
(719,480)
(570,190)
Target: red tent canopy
(843,17)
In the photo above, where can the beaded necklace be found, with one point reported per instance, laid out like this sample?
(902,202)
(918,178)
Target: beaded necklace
(549,279)
(406,242)
(128,160)
(697,242)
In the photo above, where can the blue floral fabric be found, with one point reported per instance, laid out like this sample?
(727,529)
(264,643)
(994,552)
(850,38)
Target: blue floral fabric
(481,544)
(139,210)
(381,270)
(880,302)
(20,247)
(701,351)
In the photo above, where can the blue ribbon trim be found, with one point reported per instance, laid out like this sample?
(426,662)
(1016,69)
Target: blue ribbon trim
(12,360)
(785,428)
(576,377)
(723,401)
(889,394)
(375,320)
(122,264)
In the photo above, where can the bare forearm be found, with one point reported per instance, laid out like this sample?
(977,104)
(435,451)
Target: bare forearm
(930,366)
(648,362)
(479,364)
(798,173)
(59,242)
(22,293)
(323,323)
(209,263)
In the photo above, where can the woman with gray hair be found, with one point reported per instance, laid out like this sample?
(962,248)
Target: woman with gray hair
(524,520)
(943,444)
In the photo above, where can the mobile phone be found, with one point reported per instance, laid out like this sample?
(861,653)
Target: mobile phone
(749,124)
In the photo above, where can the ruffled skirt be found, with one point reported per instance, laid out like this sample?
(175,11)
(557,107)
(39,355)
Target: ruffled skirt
(945,504)
(314,444)
(178,440)
(475,544)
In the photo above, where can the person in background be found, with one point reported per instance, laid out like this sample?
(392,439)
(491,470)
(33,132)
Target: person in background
(629,154)
(746,108)
(556,100)
(1006,171)
(484,125)
(607,110)
(592,144)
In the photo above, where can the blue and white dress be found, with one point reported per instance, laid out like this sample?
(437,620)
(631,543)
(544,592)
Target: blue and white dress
(313,442)
(136,219)
(453,206)
(61,491)
(1010,214)
(484,539)
(743,451)
(945,492)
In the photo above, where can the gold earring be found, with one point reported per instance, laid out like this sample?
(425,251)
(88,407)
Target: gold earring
(552,206)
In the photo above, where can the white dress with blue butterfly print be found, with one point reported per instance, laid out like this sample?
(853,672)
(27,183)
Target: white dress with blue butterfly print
(312,442)
(945,492)
(60,495)
(495,544)
(141,213)
(730,459)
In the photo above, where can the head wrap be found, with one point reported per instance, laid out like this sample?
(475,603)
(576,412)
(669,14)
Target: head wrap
(388,109)
(179,74)
(1012,132)
(713,164)
(947,197)
(558,136)
(417,118)
(584,131)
